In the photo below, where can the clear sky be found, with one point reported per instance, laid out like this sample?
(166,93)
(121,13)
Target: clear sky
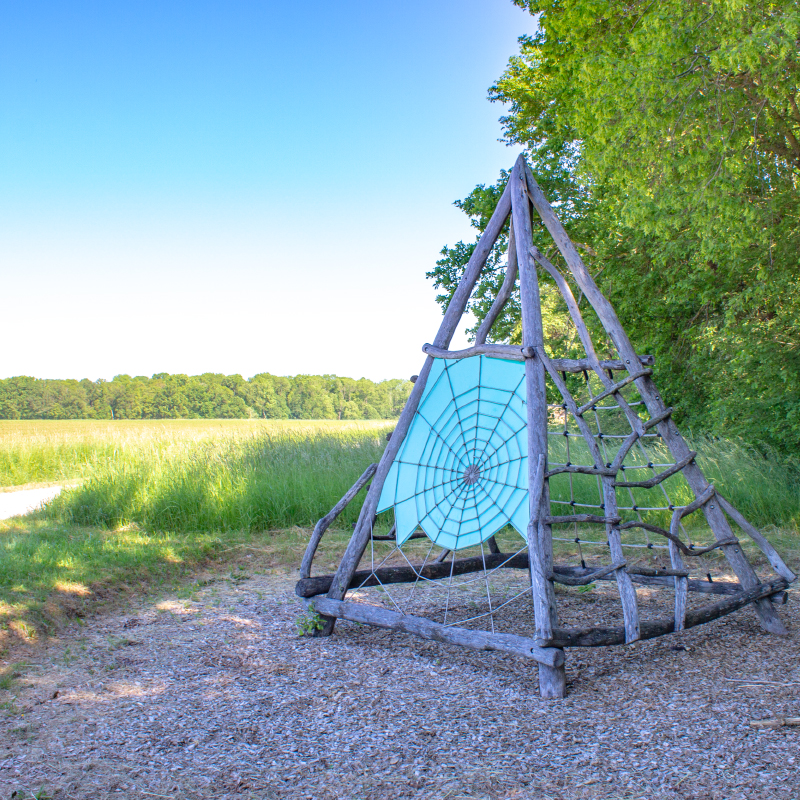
(238,186)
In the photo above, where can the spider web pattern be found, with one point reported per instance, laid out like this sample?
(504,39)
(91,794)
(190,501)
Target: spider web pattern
(463,434)
(492,598)
(461,474)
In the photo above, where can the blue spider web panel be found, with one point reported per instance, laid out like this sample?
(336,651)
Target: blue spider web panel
(462,472)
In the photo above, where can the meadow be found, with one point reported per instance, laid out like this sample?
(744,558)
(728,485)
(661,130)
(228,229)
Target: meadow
(154,500)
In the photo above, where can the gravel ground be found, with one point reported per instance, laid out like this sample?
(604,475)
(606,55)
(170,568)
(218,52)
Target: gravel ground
(217,696)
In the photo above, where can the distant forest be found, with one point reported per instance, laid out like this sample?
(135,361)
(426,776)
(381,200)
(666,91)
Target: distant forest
(208,396)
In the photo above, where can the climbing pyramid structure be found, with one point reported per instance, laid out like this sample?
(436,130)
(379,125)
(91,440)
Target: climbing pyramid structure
(509,460)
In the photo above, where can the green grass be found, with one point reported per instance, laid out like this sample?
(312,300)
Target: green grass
(52,571)
(52,451)
(261,478)
(267,479)
(48,570)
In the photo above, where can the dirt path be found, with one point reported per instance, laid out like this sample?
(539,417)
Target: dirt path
(23,501)
(214,695)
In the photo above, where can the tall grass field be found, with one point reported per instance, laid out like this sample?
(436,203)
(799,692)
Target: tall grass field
(223,475)
(151,501)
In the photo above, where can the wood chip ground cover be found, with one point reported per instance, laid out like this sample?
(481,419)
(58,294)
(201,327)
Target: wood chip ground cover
(217,696)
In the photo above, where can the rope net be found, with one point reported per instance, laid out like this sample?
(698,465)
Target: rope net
(457,492)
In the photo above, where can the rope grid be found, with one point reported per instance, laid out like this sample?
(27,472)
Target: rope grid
(472,455)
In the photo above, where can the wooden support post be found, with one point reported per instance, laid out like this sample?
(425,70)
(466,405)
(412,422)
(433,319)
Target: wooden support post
(681,587)
(324,523)
(437,569)
(604,637)
(552,680)
(451,634)
(514,352)
(717,520)
(455,310)
(506,290)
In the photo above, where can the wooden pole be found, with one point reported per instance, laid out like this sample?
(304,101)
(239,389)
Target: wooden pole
(435,570)
(452,316)
(506,290)
(324,523)
(513,352)
(586,339)
(451,634)
(603,637)
(717,521)
(552,680)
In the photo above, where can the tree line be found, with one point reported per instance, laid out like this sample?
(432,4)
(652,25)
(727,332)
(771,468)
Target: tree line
(667,137)
(207,396)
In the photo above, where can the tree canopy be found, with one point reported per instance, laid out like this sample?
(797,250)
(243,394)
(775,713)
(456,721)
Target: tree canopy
(666,134)
(208,396)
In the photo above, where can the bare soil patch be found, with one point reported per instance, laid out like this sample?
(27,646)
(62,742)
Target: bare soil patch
(212,693)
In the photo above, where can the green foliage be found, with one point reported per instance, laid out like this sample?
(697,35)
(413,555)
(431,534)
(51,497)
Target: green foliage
(309,622)
(207,396)
(667,136)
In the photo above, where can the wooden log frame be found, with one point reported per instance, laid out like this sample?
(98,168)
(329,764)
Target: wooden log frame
(450,634)
(736,597)
(655,406)
(325,522)
(588,345)
(512,352)
(504,295)
(436,570)
(522,195)
(552,680)
(603,637)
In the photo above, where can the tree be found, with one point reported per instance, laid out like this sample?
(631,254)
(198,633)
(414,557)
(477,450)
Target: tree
(207,396)
(667,136)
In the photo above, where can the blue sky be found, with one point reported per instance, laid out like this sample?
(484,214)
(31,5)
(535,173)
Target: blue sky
(238,187)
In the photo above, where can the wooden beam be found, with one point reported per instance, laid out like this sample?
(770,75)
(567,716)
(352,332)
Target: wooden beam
(513,352)
(627,594)
(776,562)
(552,681)
(436,570)
(449,634)
(325,522)
(604,637)
(506,290)
(361,535)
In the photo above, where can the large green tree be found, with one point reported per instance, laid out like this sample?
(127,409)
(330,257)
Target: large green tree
(667,135)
